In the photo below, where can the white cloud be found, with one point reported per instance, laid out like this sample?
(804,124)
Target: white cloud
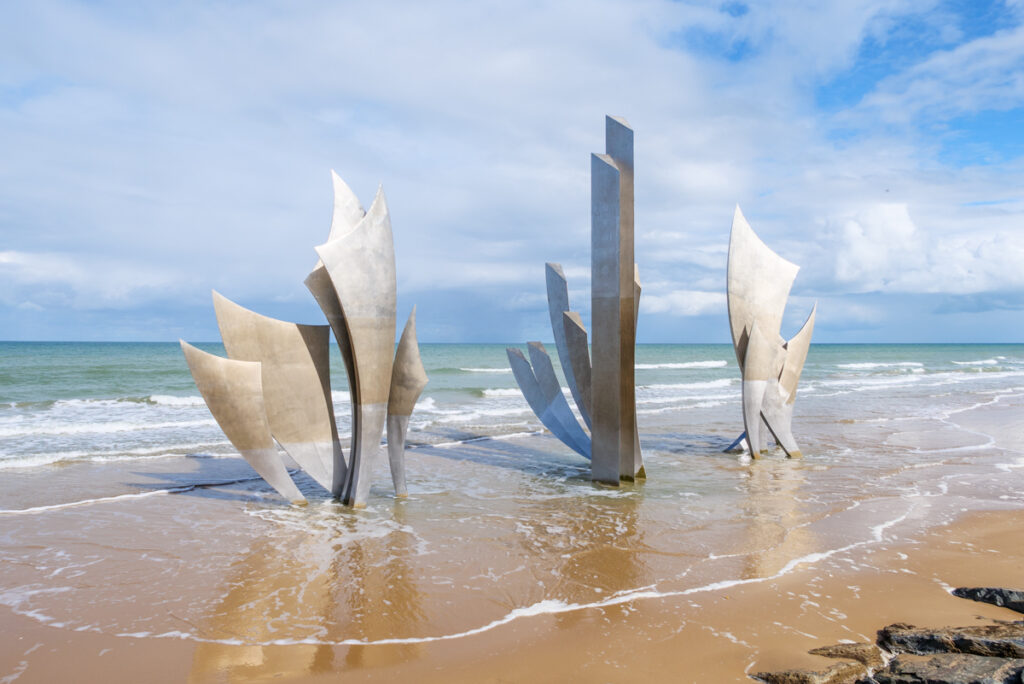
(985,73)
(878,246)
(38,281)
(190,146)
(683,303)
(882,249)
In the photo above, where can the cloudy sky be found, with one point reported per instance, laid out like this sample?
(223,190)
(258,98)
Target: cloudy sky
(152,151)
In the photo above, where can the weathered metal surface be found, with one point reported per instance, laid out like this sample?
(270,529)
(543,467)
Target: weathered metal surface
(233,391)
(558,305)
(613,307)
(408,378)
(295,369)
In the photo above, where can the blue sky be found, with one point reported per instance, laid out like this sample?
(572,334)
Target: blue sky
(153,151)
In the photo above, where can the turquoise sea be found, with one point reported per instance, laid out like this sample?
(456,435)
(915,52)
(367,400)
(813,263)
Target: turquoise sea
(64,402)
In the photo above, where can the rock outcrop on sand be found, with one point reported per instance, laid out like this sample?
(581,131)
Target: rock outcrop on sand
(905,654)
(950,668)
(1014,600)
(1003,640)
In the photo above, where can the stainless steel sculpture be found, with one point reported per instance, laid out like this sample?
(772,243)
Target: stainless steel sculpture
(613,307)
(551,416)
(289,397)
(603,390)
(295,371)
(759,281)
(361,267)
(346,214)
(233,390)
(558,306)
(407,382)
(780,394)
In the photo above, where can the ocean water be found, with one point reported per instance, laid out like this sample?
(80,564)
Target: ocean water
(66,402)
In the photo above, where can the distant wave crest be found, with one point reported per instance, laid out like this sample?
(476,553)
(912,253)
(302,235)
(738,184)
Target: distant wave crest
(709,384)
(502,392)
(871,365)
(168,400)
(683,365)
(97,428)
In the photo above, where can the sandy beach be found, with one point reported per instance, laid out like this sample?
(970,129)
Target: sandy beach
(762,622)
(507,564)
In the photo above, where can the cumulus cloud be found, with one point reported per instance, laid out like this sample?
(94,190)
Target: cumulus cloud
(189,145)
(39,281)
(684,303)
(878,246)
(882,249)
(985,73)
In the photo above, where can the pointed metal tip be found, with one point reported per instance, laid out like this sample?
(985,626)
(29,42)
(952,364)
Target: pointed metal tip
(621,120)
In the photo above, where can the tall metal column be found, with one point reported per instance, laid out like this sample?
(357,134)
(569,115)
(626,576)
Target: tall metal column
(613,307)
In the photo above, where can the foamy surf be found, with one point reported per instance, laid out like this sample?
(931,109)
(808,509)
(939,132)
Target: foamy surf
(89,502)
(170,400)
(543,608)
(709,384)
(99,428)
(874,365)
(21,461)
(681,366)
(127,497)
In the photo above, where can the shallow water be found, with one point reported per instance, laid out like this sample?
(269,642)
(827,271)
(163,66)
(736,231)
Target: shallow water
(125,512)
(62,402)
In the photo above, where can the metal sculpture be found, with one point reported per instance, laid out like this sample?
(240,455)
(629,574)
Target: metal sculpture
(603,388)
(759,281)
(407,382)
(233,390)
(282,387)
(295,371)
(361,267)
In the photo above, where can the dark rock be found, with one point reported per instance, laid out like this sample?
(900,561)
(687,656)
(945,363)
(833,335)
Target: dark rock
(1009,598)
(864,653)
(840,673)
(1005,640)
(951,669)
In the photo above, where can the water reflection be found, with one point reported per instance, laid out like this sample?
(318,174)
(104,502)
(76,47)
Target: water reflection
(589,547)
(307,586)
(379,596)
(778,528)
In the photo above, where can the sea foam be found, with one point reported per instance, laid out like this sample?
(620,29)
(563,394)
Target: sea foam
(684,365)
(872,365)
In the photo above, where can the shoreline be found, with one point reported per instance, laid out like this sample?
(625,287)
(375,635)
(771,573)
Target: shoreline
(709,632)
(506,563)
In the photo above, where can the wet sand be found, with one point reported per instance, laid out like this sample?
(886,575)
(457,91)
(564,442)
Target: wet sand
(506,564)
(314,592)
(714,636)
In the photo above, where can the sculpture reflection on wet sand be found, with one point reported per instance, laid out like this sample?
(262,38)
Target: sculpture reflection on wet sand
(603,389)
(275,383)
(759,281)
